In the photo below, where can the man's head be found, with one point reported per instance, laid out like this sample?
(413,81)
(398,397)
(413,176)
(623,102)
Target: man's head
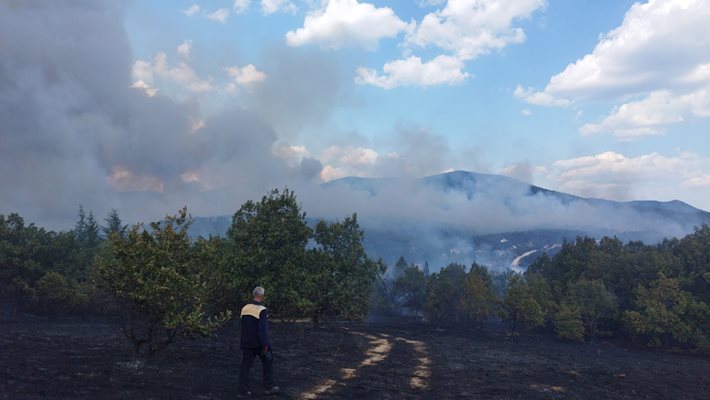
(258,294)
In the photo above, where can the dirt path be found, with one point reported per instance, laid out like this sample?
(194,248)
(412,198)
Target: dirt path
(73,360)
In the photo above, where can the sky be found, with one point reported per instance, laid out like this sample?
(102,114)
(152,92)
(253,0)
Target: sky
(146,106)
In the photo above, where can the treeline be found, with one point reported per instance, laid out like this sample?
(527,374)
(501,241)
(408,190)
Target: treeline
(164,285)
(657,295)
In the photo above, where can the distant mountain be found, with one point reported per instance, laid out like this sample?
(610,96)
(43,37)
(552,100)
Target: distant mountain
(497,220)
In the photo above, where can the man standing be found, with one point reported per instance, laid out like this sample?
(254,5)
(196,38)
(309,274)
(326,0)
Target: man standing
(255,342)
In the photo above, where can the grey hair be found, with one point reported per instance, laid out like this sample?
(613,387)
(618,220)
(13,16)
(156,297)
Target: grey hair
(258,291)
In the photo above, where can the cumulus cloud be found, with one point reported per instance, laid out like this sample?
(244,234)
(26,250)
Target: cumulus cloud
(192,10)
(652,114)
(465,29)
(246,76)
(274,6)
(146,88)
(657,62)
(616,176)
(469,28)
(241,6)
(411,71)
(182,73)
(184,48)
(345,23)
(219,15)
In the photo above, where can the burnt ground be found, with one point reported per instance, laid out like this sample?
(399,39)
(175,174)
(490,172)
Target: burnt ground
(91,360)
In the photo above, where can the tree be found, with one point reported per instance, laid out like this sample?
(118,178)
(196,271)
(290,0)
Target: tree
(519,306)
(409,289)
(92,232)
(269,241)
(444,290)
(568,322)
(157,278)
(664,313)
(399,268)
(114,225)
(341,274)
(80,226)
(594,302)
(478,296)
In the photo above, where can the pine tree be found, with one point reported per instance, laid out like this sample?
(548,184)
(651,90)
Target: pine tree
(80,226)
(113,225)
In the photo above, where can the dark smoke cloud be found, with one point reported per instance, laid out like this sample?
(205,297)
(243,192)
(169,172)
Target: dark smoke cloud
(73,131)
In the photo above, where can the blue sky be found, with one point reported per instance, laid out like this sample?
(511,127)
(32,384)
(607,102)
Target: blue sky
(482,122)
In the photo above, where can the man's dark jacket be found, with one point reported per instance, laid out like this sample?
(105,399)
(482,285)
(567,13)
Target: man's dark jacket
(255,334)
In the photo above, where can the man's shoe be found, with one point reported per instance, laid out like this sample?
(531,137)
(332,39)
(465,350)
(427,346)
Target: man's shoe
(273,390)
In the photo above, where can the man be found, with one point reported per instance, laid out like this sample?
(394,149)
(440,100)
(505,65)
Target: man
(255,342)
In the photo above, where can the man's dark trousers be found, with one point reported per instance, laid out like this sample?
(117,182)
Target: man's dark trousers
(267,361)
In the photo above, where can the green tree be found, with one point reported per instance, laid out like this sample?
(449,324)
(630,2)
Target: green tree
(156,276)
(663,314)
(269,241)
(568,322)
(340,274)
(409,289)
(114,225)
(444,291)
(519,306)
(594,302)
(478,297)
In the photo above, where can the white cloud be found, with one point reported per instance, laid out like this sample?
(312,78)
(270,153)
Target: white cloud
(192,10)
(146,88)
(184,49)
(241,6)
(246,76)
(616,176)
(274,6)
(465,29)
(219,15)
(344,23)
(650,115)
(350,156)
(657,63)
(469,28)
(698,181)
(526,112)
(330,173)
(182,73)
(412,72)
(292,154)
(538,98)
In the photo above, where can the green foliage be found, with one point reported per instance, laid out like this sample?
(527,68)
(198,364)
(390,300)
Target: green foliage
(269,240)
(114,225)
(660,295)
(444,291)
(665,312)
(519,306)
(478,296)
(340,275)
(568,322)
(157,277)
(409,290)
(27,255)
(594,303)
(55,294)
